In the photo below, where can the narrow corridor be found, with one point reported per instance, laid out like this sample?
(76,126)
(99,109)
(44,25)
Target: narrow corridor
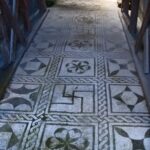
(76,87)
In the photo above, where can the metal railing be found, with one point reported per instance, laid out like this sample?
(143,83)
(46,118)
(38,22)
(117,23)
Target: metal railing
(142,38)
(16,19)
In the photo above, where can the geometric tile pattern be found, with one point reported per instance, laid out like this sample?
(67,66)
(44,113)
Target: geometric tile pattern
(126,99)
(82,45)
(21,98)
(11,135)
(84,19)
(43,48)
(56,136)
(121,67)
(77,67)
(131,137)
(33,66)
(76,98)
(76,87)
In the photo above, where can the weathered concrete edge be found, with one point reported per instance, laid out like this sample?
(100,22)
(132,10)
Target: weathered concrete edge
(8,73)
(145,82)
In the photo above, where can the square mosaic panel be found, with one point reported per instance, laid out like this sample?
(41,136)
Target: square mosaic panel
(80,45)
(130,137)
(126,99)
(21,98)
(76,67)
(33,66)
(81,40)
(86,20)
(43,48)
(67,137)
(12,135)
(73,98)
(120,68)
(116,46)
(49,33)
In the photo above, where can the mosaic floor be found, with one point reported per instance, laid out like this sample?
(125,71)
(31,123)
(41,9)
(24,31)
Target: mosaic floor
(76,87)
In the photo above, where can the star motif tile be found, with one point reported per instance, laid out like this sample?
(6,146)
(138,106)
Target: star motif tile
(126,99)
(33,66)
(120,68)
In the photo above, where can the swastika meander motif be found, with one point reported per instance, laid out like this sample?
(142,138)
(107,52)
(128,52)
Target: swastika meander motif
(73,98)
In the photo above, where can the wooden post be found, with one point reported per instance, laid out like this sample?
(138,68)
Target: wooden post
(134,16)
(145,24)
(10,20)
(125,7)
(24,12)
(12,33)
(42,5)
(147,51)
(145,33)
(4,43)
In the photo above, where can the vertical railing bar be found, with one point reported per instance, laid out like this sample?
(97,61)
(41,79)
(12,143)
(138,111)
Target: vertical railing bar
(12,35)
(147,51)
(134,16)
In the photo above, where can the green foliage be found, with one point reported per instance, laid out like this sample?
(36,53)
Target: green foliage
(50,3)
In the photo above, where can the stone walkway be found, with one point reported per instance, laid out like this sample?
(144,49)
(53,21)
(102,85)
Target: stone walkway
(76,87)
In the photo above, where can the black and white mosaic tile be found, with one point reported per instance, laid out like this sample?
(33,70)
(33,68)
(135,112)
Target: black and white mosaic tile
(33,66)
(73,99)
(120,68)
(76,67)
(131,137)
(126,99)
(21,98)
(55,136)
(76,87)
(12,135)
